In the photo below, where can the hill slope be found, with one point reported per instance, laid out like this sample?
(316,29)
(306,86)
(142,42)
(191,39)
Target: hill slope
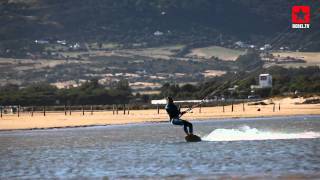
(137,20)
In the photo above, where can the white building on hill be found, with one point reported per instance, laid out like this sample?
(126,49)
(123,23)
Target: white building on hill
(265,81)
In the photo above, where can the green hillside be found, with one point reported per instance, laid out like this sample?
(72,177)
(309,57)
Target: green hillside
(180,21)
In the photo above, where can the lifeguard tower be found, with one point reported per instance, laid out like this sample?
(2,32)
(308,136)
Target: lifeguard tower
(265,81)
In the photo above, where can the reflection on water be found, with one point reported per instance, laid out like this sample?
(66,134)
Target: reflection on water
(288,147)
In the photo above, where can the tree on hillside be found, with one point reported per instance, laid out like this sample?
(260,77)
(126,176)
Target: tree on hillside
(249,61)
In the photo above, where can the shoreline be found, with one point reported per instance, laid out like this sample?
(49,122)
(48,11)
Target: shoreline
(57,120)
(152,122)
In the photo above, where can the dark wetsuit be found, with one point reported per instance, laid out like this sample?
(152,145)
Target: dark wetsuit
(174,114)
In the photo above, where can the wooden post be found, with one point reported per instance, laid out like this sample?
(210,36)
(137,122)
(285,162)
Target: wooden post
(232,107)
(200,108)
(91,110)
(82,110)
(124,109)
(158,109)
(1,111)
(117,108)
(65,109)
(113,109)
(70,110)
(44,111)
(279,107)
(243,107)
(274,107)
(18,111)
(32,109)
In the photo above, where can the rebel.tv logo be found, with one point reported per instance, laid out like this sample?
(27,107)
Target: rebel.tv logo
(300,17)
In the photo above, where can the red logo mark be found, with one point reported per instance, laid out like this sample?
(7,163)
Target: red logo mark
(300,15)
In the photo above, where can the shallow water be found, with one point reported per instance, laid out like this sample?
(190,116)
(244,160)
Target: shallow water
(285,147)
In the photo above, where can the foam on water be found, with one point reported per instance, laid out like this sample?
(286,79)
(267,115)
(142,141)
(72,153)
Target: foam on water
(245,133)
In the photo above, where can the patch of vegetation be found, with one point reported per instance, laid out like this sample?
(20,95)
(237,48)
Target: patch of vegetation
(302,80)
(44,94)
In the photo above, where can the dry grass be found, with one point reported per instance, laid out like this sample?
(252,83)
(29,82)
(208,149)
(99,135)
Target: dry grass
(216,51)
(213,73)
(311,58)
(142,85)
(152,92)
(164,52)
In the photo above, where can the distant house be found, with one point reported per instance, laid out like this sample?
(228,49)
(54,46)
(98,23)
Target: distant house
(265,47)
(75,46)
(62,42)
(240,44)
(158,33)
(265,81)
(41,42)
(233,89)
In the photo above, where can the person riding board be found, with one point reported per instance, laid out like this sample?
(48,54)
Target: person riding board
(175,114)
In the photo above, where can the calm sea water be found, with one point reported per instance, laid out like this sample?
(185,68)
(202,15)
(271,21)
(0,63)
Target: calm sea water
(284,147)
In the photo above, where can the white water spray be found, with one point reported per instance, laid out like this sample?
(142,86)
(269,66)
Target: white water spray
(246,133)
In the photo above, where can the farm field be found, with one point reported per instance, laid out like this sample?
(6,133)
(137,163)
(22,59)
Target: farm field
(311,58)
(216,51)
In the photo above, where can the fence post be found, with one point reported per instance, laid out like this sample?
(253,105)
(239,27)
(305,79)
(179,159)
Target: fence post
(32,109)
(124,109)
(279,107)
(82,110)
(223,107)
(44,110)
(158,109)
(113,109)
(232,107)
(243,106)
(91,110)
(274,107)
(1,111)
(18,110)
(65,109)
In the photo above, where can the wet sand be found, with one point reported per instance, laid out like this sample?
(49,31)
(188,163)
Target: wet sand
(288,107)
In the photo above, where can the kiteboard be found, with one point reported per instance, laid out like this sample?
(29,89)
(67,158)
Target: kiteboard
(192,138)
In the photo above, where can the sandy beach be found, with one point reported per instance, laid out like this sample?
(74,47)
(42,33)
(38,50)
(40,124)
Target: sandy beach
(288,107)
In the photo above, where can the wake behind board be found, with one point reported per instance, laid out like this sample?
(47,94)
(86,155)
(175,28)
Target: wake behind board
(193,138)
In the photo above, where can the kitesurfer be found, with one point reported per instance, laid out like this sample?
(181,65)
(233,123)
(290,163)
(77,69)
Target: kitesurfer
(175,114)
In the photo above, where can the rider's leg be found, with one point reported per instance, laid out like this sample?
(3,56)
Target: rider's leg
(187,126)
(183,123)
